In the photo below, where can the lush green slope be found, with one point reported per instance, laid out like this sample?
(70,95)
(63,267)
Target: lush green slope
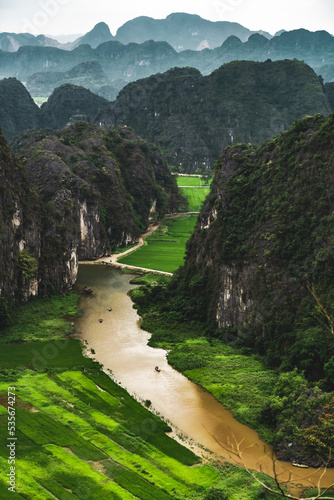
(186,181)
(195,197)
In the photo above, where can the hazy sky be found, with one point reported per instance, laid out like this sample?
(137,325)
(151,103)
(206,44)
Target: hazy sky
(79,16)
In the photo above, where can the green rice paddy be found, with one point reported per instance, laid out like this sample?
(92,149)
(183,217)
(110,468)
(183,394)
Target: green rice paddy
(183,181)
(195,197)
(79,435)
(164,249)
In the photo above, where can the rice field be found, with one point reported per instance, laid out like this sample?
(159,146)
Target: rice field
(80,435)
(184,181)
(195,197)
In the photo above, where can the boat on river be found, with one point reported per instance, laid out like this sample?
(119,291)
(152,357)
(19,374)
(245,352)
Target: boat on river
(302,466)
(157,369)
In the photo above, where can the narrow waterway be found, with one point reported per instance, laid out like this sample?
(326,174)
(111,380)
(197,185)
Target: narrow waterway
(120,345)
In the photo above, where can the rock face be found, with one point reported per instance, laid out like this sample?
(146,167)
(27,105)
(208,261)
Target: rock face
(260,262)
(72,195)
(33,258)
(193,118)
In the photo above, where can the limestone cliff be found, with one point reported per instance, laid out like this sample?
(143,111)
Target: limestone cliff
(260,262)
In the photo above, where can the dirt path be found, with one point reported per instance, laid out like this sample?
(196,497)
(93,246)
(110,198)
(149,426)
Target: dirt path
(113,258)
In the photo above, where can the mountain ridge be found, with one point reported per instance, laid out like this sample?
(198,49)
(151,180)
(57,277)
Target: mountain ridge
(194,117)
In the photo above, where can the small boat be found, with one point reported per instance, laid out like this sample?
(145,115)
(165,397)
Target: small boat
(157,369)
(109,309)
(87,290)
(100,320)
(302,466)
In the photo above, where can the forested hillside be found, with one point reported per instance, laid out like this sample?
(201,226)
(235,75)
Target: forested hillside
(193,118)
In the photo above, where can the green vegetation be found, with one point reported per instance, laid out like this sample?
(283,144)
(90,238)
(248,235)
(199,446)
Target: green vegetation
(80,435)
(26,264)
(164,249)
(40,100)
(266,98)
(195,197)
(185,181)
(40,319)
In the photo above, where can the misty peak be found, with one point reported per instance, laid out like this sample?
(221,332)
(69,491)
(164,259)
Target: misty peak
(101,28)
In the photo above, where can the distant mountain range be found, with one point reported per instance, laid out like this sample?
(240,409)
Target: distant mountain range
(86,74)
(120,64)
(181,31)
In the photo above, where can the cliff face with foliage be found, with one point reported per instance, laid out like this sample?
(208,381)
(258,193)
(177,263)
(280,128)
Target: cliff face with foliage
(70,103)
(18,234)
(193,118)
(190,117)
(74,194)
(261,260)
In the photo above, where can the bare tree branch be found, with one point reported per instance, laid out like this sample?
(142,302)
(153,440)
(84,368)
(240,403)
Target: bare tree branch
(239,453)
(321,309)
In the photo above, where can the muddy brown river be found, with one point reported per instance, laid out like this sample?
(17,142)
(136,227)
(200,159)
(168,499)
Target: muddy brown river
(120,345)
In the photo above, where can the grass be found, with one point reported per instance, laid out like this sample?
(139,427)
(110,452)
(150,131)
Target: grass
(165,248)
(195,197)
(42,356)
(240,382)
(39,100)
(191,181)
(41,319)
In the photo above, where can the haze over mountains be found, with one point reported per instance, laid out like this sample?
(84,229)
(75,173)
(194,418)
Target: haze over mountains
(182,31)
(43,68)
